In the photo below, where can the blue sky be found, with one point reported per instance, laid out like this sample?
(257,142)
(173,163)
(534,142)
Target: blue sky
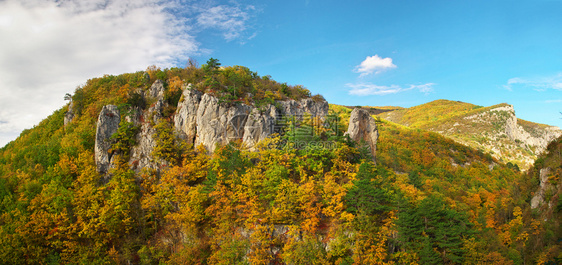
(464,50)
(376,53)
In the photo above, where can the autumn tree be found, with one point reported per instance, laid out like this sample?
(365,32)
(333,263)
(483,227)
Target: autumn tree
(434,231)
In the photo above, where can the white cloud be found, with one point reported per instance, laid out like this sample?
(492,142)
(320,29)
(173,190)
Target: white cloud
(49,47)
(541,83)
(230,20)
(374,64)
(553,101)
(368,89)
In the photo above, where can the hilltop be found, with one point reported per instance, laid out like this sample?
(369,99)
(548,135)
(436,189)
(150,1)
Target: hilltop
(494,129)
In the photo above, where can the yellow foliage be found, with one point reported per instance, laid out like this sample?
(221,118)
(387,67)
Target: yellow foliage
(175,84)
(261,241)
(302,247)
(372,248)
(152,70)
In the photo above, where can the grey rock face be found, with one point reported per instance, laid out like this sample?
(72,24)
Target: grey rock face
(157,110)
(516,132)
(539,197)
(299,108)
(498,131)
(185,119)
(200,119)
(259,126)
(141,154)
(519,135)
(279,232)
(219,123)
(316,108)
(362,127)
(107,125)
(134,116)
(157,89)
(69,115)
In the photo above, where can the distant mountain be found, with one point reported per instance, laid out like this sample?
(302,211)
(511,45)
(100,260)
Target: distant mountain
(493,129)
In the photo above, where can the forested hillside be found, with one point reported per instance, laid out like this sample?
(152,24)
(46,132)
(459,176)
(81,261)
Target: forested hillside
(547,200)
(494,129)
(308,195)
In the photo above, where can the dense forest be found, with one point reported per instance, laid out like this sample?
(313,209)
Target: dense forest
(426,199)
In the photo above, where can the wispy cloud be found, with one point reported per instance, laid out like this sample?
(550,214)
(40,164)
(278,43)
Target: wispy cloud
(368,89)
(553,101)
(49,47)
(230,20)
(537,83)
(374,64)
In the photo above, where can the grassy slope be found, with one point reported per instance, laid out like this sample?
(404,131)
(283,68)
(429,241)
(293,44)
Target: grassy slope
(425,115)
(450,119)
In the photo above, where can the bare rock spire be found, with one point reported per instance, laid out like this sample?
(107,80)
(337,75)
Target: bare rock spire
(107,125)
(363,129)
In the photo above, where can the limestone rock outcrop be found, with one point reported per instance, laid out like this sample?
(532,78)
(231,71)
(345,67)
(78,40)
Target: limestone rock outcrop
(507,137)
(516,132)
(185,120)
(107,125)
(219,123)
(156,90)
(505,116)
(362,128)
(539,199)
(300,107)
(202,119)
(260,125)
(494,129)
(141,154)
(69,115)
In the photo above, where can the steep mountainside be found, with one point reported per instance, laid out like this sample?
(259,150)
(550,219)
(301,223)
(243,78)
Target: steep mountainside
(545,177)
(114,178)
(493,129)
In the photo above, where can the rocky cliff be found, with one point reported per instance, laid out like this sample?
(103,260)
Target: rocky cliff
(509,138)
(107,125)
(545,186)
(200,119)
(69,115)
(547,198)
(185,120)
(504,117)
(363,129)
(141,154)
(495,129)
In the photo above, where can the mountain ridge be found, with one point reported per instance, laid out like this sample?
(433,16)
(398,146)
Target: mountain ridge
(493,129)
